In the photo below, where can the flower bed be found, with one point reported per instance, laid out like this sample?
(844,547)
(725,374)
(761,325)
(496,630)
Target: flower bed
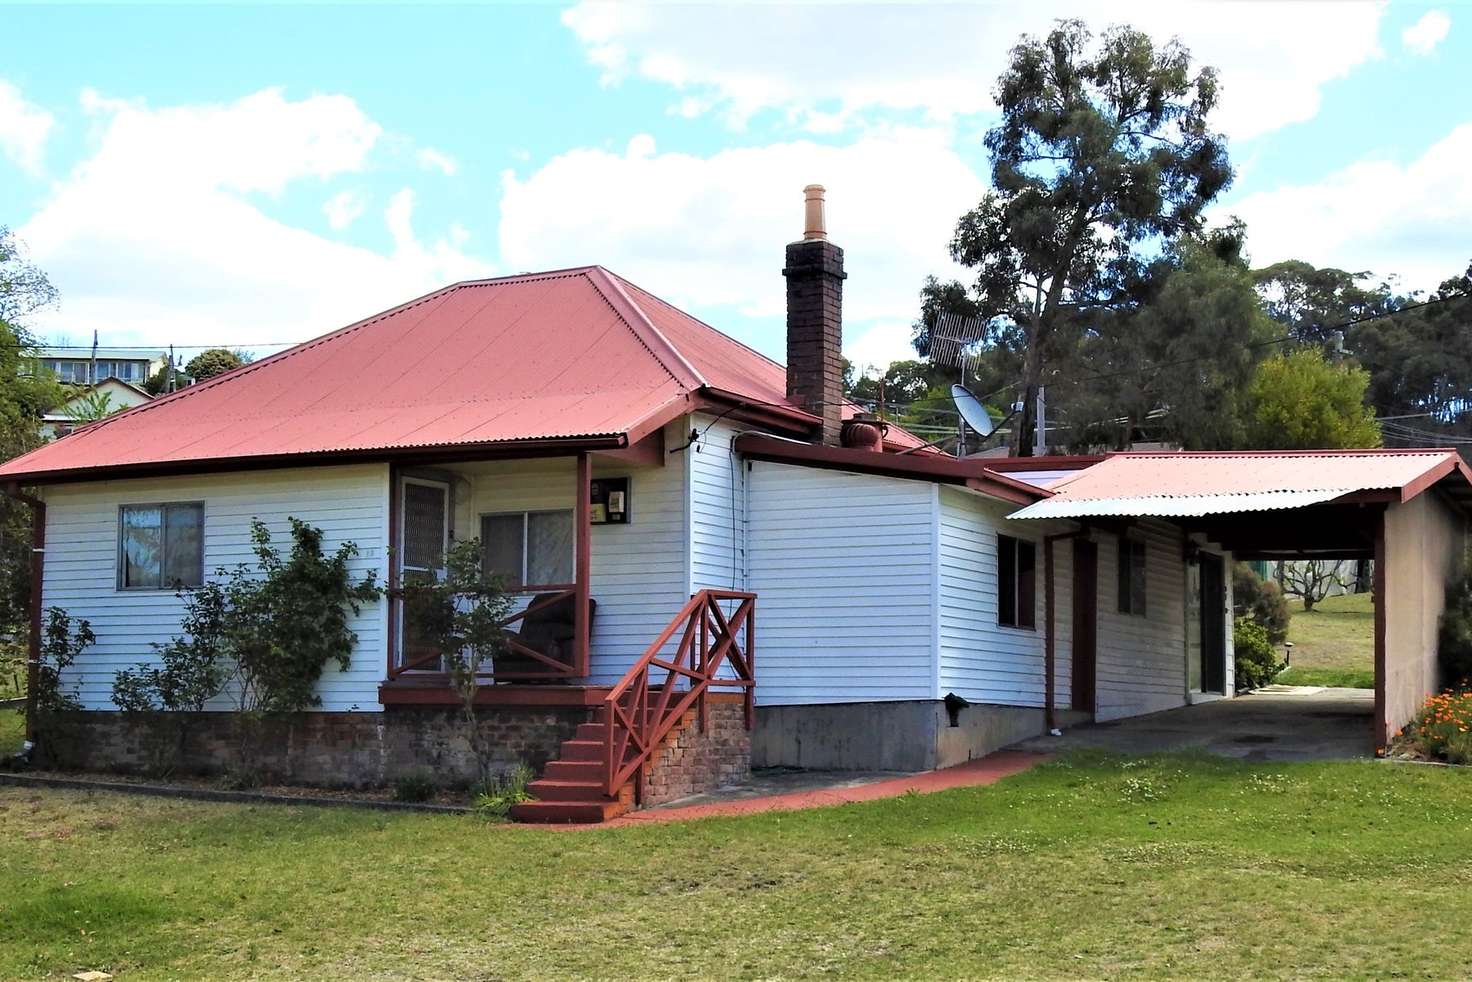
(1441,731)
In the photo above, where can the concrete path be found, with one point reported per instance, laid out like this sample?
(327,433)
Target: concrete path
(1278,723)
(844,788)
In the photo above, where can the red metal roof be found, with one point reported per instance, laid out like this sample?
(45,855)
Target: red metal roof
(565,355)
(1193,484)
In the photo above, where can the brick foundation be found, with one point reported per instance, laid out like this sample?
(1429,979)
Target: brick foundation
(332,750)
(692,761)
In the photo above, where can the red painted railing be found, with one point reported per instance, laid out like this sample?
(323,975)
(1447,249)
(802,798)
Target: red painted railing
(642,708)
(554,668)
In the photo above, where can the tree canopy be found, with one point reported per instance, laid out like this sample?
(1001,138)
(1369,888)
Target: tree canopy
(212,362)
(1103,154)
(1302,401)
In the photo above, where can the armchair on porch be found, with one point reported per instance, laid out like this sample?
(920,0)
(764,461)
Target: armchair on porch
(549,627)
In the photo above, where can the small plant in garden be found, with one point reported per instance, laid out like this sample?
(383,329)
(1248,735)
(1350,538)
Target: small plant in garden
(1256,660)
(1442,730)
(462,614)
(60,646)
(497,794)
(416,787)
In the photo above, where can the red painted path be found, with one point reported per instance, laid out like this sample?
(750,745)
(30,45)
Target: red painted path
(973,773)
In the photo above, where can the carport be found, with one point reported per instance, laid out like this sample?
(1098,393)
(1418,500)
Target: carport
(1407,510)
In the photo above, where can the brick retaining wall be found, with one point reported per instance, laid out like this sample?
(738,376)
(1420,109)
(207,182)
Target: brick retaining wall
(334,750)
(692,761)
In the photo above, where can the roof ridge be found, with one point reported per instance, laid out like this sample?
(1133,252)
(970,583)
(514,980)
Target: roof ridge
(649,335)
(708,326)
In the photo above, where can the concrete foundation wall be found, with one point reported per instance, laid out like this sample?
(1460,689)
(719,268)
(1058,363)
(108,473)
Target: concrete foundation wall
(1424,541)
(901,736)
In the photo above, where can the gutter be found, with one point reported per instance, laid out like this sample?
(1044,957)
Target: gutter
(38,569)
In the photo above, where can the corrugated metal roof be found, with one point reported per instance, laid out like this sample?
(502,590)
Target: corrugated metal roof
(1194,484)
(569,354)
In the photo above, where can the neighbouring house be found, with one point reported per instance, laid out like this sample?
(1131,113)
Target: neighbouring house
(722,563)
(88,366)
(120,395)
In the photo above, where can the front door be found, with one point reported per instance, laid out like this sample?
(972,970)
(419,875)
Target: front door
(424,538)
(1213,624)
(1085,622)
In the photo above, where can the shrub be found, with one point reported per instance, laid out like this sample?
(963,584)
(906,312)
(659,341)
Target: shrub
(416,787)
(60,646)
(1256,659)
(1443,728)
(1454,643)
(1261,600)
(498,794)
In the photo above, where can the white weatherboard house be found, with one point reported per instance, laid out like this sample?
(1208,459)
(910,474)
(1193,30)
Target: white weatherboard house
(716,554)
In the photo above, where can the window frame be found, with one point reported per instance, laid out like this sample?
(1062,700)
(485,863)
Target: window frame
(1014,606)
(163,546)
(1130,551)
(525,515)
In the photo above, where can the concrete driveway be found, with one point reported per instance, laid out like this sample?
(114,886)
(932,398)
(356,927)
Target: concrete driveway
(1278,723)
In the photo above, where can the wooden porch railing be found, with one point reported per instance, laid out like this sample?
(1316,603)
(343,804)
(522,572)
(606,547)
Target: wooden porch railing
(556,669)
(642,708)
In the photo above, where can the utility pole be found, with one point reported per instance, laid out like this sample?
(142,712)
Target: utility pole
(169,376)
(92,366)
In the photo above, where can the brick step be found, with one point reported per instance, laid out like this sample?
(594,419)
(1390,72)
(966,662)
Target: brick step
(582,750)
(595,731)
(568,812)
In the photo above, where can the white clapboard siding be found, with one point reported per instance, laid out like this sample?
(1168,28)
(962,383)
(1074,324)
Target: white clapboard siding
(980,659)
(844,571)
(638,574)
(1142,659)
(347,503)
(717,497)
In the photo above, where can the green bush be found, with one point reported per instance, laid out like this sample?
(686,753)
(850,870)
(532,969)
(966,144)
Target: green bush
(1261,600)
(1454,643)
(416,787)
(1256,659)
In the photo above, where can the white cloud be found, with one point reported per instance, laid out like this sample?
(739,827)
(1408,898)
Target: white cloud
(708,232)
(343,208)
(431,159)
(827,65)
(1424,35)
(155,238)
(24,127)
(1380,216)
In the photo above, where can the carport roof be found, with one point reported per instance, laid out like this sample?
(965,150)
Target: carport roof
(1173,485)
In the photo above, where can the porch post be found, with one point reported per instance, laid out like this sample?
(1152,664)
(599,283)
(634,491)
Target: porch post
(1049,653)
(1381,726)
(583,531)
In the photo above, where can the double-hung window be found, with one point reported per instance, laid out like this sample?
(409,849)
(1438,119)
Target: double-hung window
(1131,576)
(160,546)
(529,548)
(1016,582)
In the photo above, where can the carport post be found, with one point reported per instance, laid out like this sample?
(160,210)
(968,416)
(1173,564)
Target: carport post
(1380,729)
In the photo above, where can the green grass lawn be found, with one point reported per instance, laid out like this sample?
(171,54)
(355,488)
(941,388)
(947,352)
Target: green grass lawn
(1088,867)
(1333,644)
(12,731)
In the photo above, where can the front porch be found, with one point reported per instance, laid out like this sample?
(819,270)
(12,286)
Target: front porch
(595,546)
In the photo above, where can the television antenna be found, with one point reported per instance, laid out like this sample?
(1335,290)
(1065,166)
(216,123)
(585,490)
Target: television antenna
(951,338)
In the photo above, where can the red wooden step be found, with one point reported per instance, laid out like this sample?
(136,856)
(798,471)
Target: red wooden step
(567,812)
(574,770)
(582,750)
(561,789)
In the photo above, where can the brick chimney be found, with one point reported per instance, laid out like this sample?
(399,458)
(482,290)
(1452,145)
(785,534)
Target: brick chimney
(815,319)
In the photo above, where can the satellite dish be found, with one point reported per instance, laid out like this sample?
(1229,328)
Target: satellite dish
(972,411)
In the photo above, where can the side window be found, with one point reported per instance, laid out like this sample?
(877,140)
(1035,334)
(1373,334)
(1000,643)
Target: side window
(1016,582)
(160,547)
(1131,576)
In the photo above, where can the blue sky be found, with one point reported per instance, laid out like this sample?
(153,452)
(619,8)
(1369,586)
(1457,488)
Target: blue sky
(253,175)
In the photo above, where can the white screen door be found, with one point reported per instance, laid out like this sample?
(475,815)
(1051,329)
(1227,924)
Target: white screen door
(424,538)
